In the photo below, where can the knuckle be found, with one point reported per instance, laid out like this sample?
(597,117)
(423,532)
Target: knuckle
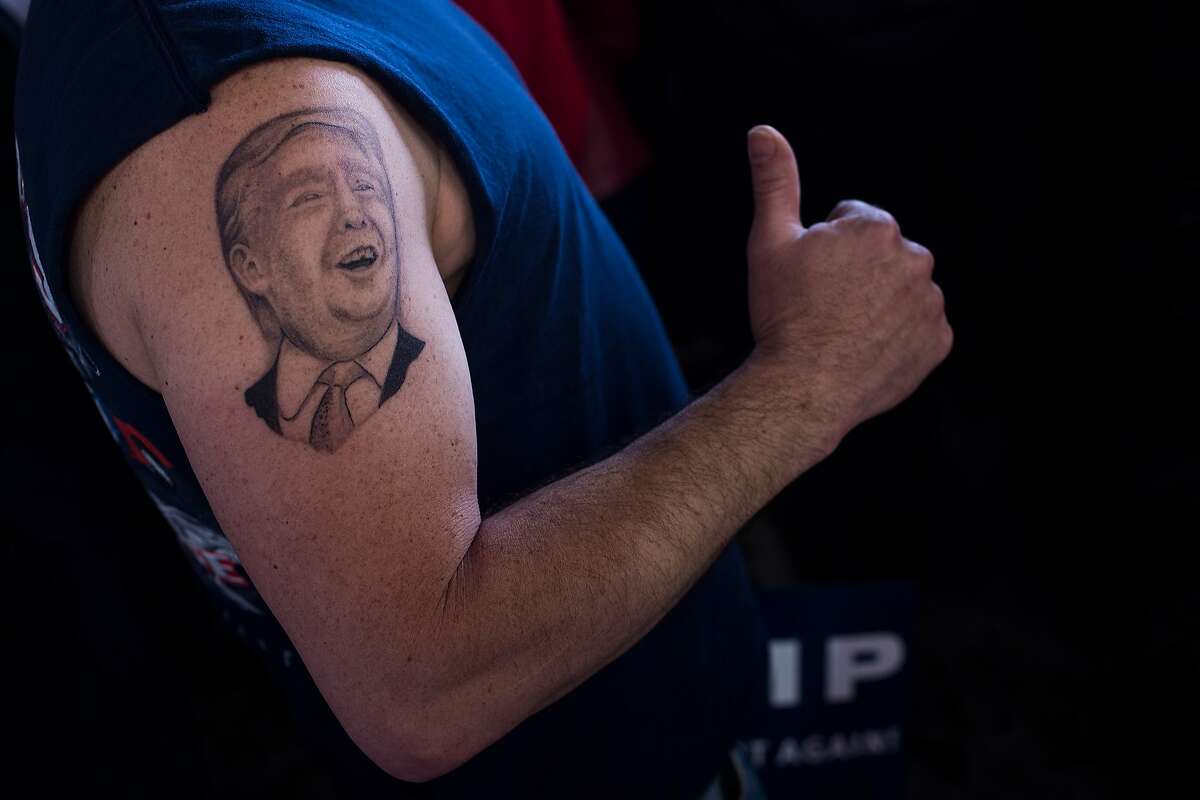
(889,225)
(885,217)
(947,338)
(841,223)
(861,226)
(881,225)
(849,210)
(820,232)
(843,208)
(937,300)
(864,213)
(922,256)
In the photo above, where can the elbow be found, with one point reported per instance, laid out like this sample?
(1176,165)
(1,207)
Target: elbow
(433,724)
(411,761)
(421,747)
(406,765)
(390,738)
(412,758)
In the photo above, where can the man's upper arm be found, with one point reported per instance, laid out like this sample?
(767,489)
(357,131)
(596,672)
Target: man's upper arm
(283,285)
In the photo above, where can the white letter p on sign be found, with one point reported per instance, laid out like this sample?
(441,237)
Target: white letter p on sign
(849,660)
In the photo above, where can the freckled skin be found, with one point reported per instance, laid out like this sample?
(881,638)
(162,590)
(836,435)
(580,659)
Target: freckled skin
(301,232)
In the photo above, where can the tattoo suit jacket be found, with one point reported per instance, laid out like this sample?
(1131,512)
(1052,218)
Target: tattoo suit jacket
(263,399)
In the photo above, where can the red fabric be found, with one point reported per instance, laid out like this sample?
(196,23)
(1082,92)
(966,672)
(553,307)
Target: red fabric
(534,34)
(568,66)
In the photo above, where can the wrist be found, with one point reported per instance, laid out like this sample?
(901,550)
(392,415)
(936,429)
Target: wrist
(802,398)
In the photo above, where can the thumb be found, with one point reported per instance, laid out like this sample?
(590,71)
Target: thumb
(775,180)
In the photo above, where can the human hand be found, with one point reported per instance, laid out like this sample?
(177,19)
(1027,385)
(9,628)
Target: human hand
(846,309)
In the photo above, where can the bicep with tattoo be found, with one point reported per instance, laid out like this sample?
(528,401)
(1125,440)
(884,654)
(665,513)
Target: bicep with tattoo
(309,235)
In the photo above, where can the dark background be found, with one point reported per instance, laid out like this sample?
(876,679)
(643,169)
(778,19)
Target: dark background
(1040,488)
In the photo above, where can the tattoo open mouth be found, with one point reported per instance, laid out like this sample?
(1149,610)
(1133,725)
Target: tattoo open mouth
(359,258)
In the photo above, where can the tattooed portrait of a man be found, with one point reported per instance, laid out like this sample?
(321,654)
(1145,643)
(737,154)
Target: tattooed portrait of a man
(308,231)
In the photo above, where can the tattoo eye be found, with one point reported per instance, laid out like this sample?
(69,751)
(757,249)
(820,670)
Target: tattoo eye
(363,186)
(306,197)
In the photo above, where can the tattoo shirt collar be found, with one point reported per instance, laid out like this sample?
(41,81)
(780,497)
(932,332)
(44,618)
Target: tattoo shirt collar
(299,370)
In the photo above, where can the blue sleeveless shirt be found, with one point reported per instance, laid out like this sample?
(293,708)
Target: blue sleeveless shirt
(567,355)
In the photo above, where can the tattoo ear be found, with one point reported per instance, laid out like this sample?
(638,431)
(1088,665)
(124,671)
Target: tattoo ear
(247,269)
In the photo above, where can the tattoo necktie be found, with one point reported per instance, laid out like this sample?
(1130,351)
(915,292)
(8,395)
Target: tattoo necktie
(331,422)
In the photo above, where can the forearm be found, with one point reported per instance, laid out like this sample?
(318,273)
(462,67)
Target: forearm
(558,585)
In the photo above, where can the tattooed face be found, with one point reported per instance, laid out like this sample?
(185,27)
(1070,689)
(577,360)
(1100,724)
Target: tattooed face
(308,232)
(323,243)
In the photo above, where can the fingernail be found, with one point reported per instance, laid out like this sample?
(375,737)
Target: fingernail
(762,143)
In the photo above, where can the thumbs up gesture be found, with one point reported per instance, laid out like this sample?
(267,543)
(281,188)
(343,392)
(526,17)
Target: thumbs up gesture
(847,307)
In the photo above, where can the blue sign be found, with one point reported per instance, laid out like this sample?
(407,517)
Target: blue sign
(837,691)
